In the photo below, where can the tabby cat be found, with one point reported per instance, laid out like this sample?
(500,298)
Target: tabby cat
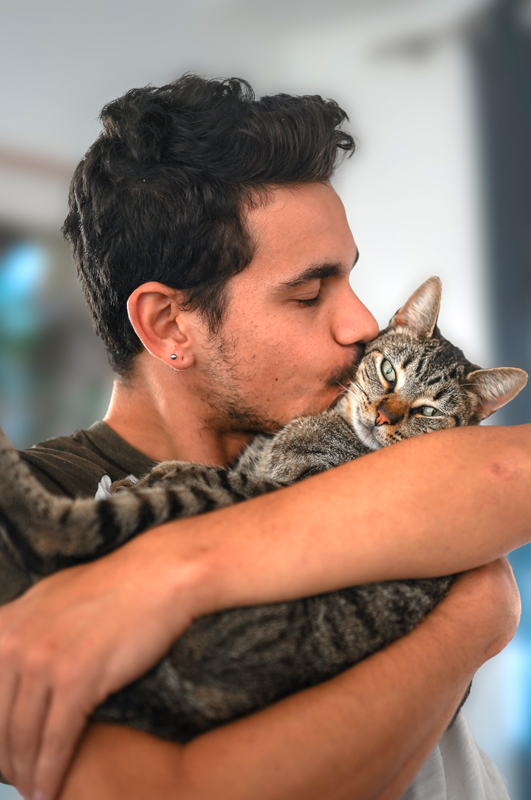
(410,381)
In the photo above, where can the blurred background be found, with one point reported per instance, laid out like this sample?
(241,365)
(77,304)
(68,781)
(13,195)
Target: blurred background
(439,98)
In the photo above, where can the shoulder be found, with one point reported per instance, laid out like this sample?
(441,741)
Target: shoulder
(74,465)
(64,466)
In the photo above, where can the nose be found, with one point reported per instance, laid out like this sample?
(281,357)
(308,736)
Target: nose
(390,412)
(354,322)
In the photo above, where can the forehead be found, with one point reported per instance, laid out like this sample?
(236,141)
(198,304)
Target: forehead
(298,227)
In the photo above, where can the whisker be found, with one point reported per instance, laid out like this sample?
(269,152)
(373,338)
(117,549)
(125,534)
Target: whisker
(345,388)
(356,389)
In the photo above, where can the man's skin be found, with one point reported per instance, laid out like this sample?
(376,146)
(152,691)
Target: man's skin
(292,329)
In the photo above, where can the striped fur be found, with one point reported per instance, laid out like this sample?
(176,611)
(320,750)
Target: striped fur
(234,662)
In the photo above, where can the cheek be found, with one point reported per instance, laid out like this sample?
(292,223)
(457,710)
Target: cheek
(299,367)
(280,351)
(292,355)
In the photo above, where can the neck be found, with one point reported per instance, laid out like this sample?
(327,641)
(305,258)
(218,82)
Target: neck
(157,411)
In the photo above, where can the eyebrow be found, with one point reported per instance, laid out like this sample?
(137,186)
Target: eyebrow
(319,271)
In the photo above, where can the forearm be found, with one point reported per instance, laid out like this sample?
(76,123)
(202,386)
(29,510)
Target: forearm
(364,734)
(434,505)
(389,514)
(238,763)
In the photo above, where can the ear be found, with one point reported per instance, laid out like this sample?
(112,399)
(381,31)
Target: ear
(156,314)
(494,388)
(420,312)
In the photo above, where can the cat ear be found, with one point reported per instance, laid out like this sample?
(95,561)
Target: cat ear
(420,312)
(494,388)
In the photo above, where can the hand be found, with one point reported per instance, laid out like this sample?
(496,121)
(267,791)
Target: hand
(68,643)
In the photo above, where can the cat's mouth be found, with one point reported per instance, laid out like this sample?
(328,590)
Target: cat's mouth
(366,433)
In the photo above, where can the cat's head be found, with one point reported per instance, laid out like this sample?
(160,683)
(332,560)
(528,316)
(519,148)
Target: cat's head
(412,380)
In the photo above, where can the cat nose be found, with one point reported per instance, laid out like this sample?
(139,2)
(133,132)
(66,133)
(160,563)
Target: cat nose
(390,411)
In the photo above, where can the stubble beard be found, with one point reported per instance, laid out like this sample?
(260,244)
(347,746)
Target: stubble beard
(231,411)
(221,389)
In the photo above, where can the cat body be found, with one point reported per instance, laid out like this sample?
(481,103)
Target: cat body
(410,381)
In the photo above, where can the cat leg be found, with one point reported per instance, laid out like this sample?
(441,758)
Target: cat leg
(304,447)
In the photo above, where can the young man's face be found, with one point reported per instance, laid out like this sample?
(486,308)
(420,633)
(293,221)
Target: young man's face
(293,330)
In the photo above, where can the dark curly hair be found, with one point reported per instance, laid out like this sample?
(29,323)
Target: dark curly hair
(159,196)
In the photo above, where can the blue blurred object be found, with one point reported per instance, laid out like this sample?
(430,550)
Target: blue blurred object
(23,270)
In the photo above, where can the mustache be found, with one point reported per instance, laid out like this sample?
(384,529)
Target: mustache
(346,374)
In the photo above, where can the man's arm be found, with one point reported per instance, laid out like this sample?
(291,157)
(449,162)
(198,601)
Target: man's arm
(431,505)
(364,734)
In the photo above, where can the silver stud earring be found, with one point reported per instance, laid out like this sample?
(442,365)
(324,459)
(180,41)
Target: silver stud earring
(173,356)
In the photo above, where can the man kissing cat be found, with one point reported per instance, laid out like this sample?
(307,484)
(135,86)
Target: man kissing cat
(215,258)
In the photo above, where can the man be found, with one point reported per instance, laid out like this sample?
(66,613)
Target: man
(215,258)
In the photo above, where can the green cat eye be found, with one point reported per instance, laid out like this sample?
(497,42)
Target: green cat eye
(388,371)
(429,411)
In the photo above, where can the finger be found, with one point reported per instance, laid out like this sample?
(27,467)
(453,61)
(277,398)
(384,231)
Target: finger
(27,719)
(8,692)
(64,725)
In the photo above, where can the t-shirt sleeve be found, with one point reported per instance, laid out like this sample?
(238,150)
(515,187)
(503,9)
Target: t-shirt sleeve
(64,473)
(74,465)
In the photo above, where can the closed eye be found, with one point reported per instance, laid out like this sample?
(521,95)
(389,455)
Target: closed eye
(311,295)
(311,301)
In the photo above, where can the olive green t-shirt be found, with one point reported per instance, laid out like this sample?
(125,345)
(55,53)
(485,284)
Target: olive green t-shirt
(74,465)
